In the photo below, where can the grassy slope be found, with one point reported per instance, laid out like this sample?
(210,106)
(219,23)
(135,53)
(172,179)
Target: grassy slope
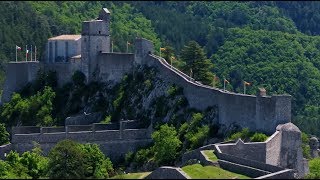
(197,171)
(132,176)
(210,155)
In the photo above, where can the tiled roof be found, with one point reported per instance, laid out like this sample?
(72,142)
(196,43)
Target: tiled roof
(66,37)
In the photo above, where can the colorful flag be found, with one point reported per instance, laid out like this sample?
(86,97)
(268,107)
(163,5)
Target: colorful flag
(226,81)
(162,49)
(173,58)
(128,43)
(246,83)
(18,48)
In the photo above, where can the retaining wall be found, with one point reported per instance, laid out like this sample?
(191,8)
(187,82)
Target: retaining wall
(241,169)
(113,143)
(262,113)
(113,66)
(273,149)
(254,151)
(284,174)
(18,74)
(166,172)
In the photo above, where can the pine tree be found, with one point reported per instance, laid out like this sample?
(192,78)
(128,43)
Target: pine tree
(197,62)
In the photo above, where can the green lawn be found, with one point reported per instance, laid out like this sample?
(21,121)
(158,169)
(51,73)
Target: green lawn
(131,176)
(210,155)
(197,171)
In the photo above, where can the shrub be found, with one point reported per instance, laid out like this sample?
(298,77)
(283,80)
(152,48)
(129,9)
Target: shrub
(172,91)
(166,144)
(4,135)
(314,167)
(243,134)
(148,84)
(106,120)
(128,158)
(142,156)
(196,140)
(258,137)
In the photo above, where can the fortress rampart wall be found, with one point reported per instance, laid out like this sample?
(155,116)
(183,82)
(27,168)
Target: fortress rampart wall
(64,70)
(124,139)
(261,113)
(18,74)
(113,66)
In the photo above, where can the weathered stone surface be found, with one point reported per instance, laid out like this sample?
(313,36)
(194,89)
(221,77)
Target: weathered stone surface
(166,172)
(314,145)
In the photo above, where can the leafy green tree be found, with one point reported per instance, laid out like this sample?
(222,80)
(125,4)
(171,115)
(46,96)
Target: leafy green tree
(197,62)
(67,160)
(18,170)
(4,135)
(34,110)
(35,163)
(97,165)
(166,144)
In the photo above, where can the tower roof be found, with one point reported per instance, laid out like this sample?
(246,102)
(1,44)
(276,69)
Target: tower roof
(66,37)
(106,10)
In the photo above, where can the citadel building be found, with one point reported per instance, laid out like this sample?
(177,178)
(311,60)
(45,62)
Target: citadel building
(90,53)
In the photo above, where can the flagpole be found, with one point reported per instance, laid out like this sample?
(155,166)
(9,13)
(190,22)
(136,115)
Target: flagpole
(35,53)
(160,51)
(31,53)
(16,54)
(111,46)
(26,51)
(224,85)
(244,88)
(127,46)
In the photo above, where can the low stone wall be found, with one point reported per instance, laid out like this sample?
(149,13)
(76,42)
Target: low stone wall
(52,129)
(254,151)
(242,169)
(135,133)
(77,128)
(4,150)
(103,127)
(132,124)
(84,119)
(166,172)
(284,174)
(25,130)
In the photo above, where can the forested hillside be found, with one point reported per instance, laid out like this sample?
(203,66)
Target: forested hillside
(269,44)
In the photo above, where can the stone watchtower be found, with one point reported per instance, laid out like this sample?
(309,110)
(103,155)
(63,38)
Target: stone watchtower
(95,38)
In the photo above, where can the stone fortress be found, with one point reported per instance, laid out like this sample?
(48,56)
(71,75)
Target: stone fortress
(90,53)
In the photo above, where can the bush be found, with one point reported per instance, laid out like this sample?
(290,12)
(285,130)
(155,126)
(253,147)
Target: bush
(106,120)
(314,167)
(197,139)
(258,137)
(142,156)
(4,135)
(128,158)
(243,134)
(166,144)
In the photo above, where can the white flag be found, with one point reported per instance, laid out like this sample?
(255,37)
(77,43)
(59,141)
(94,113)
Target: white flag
(18,48)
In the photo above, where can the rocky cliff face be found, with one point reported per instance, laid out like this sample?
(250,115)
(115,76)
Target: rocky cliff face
(142,95)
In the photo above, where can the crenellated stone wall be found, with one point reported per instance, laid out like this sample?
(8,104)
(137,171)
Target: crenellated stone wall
(114,143)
